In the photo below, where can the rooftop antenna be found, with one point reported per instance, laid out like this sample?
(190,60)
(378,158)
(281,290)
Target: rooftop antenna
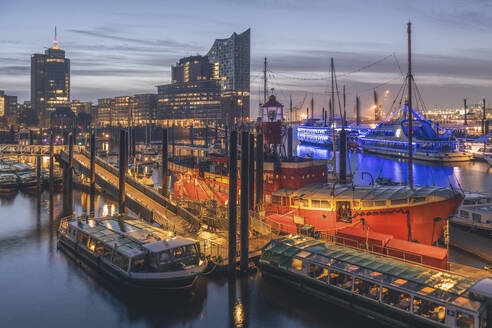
(55,40)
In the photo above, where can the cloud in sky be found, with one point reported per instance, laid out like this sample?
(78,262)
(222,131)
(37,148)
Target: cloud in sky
(127,48)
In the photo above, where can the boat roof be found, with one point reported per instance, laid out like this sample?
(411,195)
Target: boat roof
(365,192)
(416,278)
(130,236)
(485,209)
(475,195)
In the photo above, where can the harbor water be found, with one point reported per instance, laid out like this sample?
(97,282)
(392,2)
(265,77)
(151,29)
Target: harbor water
(43,287)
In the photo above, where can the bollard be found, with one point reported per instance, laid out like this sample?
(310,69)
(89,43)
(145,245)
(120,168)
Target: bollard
(123,171)
(164,190)
(232,202)
(259,170)
(244,229)
(93,173)
(251,173)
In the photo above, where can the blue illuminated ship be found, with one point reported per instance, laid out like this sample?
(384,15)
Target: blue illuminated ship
(313,134)
(390,137)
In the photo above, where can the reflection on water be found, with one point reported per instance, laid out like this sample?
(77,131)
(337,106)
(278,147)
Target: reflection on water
(473,175)
(58,291)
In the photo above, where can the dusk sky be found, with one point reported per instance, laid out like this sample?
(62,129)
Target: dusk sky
(126,47)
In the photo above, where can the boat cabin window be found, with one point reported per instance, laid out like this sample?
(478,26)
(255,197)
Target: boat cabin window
(318,272)
(476,217)
(165,257)
(380,203)
(83,238)
(294,202)
(399,201)
(366,288)
(341,280)
(107,252)
(367,203)
(315,203)
(428,309)
(464,214)
(296,264)
(484,200)
(464,320)
(120,260)
(325,204)
(138,264)
(276,199)
(99,247)
(284,201)
(304,202)
(395,298)
(418,199)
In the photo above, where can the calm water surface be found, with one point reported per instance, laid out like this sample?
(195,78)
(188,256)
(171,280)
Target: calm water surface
(42,287)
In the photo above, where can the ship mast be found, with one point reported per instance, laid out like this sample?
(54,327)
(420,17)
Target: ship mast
(410,127)
(265,81)
(332,117)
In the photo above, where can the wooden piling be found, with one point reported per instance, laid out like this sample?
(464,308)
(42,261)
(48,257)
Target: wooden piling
(123,170)
(343,156)
(289,142)
(164,177)
(52,154)
(93,174)
(251,173)
(38,172)
(69,173)
(244,229)
(259,170)
(232,202)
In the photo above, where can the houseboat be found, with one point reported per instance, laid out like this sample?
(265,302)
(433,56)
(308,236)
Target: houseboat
(133,252)
(8,182)
(475,217)
(387,290)
(27,180)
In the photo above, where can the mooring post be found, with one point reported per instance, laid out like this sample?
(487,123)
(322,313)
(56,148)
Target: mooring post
(343,156)
(69,173)
(244,231)
(123,170)
(164,178)
(40,139)
(251,173)
(52,154)
(38,172)
(191,134)
(93,174)
(289,142)
(232,202)
(172,140)
(31,138)
(259,170)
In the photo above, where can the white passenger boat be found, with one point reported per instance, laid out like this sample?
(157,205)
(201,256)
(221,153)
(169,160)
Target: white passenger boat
(133,252)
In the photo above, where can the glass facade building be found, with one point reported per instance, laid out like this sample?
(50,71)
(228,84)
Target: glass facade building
(213,87)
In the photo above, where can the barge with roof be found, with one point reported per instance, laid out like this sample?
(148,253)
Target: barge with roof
(133,252)
(388,290)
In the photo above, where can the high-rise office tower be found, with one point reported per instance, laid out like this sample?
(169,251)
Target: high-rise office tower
(50,80)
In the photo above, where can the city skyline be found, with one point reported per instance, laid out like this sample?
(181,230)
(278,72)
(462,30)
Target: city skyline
(111,58)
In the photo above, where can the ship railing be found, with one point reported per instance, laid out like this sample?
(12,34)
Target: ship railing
(163,221)
(398,254)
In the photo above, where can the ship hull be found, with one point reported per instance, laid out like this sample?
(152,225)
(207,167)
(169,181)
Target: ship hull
(443,157)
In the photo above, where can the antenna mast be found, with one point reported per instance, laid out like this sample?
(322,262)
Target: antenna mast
(410,125)
(265,81)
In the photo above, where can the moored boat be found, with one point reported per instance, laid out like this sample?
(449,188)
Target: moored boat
(8,182)
(387,290)
(27,180)
(133,252)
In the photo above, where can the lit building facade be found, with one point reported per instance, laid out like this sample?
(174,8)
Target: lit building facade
(78,106)
(214,87)
(50,80)
(104,112)
(139,109)
(144,108)
(8,107)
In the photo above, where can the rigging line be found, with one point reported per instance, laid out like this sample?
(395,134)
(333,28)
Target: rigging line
(342,75)
(398,64)
(420,95)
